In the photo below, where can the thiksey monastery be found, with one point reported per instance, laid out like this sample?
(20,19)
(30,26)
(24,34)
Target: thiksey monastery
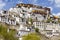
(25,17)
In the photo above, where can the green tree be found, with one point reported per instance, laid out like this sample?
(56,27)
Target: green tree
(49,20)
(31,36)
(36,30)
(58,20)
(7,35)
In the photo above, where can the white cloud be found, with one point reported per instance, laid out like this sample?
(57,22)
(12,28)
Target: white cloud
(57,14)
(20,1)
(57,3)
(50,8)
(51,1)
(34,1)
(29,1)
(53,14)
(2,4)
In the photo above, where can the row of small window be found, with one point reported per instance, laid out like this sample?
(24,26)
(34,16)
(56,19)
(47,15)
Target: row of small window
(39,23)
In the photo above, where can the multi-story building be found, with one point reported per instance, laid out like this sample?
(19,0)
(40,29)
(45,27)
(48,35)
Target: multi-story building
(49,29)
(21,14)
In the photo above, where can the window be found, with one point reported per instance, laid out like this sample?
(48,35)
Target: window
(19,6)
(23,10)
(4,12)
(23,14)
(36,18)
(22,19)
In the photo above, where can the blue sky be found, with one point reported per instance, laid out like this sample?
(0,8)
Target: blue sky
(53,4)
